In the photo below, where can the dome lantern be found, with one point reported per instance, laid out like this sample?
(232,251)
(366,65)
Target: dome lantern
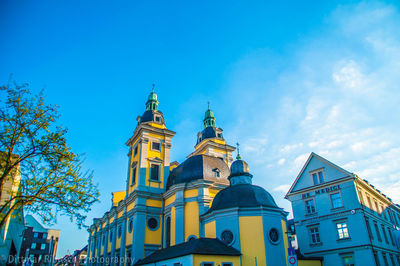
(152,103)
(240,173)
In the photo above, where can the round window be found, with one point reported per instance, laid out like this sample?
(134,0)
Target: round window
(274,235)
(130,226)
(227,237)
(152,223)
(119,231)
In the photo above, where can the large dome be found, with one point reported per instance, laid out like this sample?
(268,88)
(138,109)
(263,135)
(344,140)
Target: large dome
(199,167)
(242,195)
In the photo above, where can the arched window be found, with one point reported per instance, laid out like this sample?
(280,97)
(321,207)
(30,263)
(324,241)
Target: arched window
(168,232)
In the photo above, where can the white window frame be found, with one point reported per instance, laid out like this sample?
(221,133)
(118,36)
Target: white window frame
(317,233)
(317,172)
(341,200)
(342,230)
(306,207)
(159,172)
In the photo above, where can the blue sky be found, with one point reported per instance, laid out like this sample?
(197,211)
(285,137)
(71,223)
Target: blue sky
(284,79)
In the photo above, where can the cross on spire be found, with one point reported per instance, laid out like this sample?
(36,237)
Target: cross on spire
(208,104)
(238,151)
(153,86)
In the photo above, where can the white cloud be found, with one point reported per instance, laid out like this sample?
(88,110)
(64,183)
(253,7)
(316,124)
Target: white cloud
(282,188)
(340,101)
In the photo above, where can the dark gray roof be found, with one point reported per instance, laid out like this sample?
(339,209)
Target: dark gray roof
(148,116)
(209,133)
(205,246)
(198,167)
(243,195)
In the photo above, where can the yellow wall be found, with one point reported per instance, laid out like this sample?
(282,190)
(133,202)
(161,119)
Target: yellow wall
(117,197)
(285,240)
(154,203)
(134,159)
(157,125)
(191,193)
(152,154)
(212,192)
(153,237)
(130,206)
(128,239)
(172,226)
(117,240)
(210,231)
(309,263)
(217,259)
(111,220)
(191,219)
(252,240)
(170,200)
(119,215)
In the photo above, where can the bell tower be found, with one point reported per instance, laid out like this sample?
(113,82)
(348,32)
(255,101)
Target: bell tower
(210,140)
(149,150)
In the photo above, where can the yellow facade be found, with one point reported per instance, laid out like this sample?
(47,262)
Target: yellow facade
(170,200)
(217,259)
(153,236)
(309,263)
(173,226)
(252,240)
(154,203)
(210,230)
(191,193)
(191,219)
(117,197)
(285,239)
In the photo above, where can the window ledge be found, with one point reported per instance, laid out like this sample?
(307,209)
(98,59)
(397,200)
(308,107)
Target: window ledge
(316,244)
(311,214)
(155,181)
(343,239)
(337,209)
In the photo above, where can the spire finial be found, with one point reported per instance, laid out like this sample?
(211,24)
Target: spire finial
(238,151)
(153,87)
(208,104)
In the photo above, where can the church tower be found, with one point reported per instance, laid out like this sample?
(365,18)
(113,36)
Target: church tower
(149,151)
(148,170)
(210,140)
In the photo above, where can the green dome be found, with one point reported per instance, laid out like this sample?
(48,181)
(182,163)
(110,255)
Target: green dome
(152,96)
(209,114)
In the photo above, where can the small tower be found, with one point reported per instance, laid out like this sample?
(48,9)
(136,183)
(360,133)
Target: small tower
(210,140)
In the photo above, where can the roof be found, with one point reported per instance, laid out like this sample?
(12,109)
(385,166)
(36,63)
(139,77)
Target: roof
(148,116)
(198,167)
(32,222)
(305,166)
(203,246)
(209,133)
(242,195)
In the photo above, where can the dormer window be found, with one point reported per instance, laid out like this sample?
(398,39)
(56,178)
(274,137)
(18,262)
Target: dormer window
(219,135)
(317,177)
(158,119)
(156,146)
(217,172)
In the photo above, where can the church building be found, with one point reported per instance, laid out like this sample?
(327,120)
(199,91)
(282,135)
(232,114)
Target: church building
(203,211)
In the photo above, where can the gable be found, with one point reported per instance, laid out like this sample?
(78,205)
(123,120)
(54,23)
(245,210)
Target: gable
(316,163)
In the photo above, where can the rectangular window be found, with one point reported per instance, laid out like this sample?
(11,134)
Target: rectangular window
(348,260)
(318,177)
(310,206)
(154,172)
(384,234)
(33,246)
(133,175)
(227,264)
(391,236)
(314,234)
(376,259)
(392,259)
(398,259)
(342,230)
(156,146)
(361,197)
(35,235)
(369,228)
(377,231)
(336,200)
(383,212)
(369,203)
(377,208)
(207,264)
(385,259)
(135,151)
